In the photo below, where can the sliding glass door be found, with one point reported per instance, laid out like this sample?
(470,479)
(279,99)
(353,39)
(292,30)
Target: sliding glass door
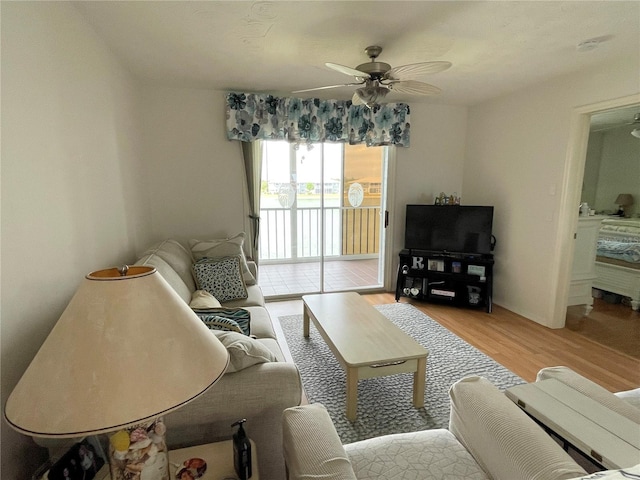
(322,214)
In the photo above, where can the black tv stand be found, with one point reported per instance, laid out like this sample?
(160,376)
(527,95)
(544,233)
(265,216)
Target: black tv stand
(461,279)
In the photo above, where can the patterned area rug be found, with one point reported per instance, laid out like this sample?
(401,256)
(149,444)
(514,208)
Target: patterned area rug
(385,404)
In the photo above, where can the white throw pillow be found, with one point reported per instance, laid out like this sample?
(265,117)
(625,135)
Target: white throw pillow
(243,351)
(201,299)
(223,247)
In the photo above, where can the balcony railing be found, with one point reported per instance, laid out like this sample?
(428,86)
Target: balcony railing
(294,234)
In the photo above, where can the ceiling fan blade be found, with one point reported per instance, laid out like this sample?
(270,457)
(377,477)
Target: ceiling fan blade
(414,87)
(406,72)
(327,87)
(356,100)
(348,70)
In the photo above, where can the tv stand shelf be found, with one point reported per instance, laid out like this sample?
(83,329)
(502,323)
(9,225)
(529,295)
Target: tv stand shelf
(461,279)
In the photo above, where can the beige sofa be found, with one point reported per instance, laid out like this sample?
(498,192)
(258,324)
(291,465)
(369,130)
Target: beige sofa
(489,437)
(258,393)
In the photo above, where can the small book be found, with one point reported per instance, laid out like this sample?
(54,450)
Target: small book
(476,270)
(443,293)
(436,265)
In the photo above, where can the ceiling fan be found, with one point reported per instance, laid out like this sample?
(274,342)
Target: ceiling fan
(377,79)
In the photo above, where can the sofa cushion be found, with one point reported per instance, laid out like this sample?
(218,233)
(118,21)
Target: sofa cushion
(221,277)
(423,454)
(255,298)
(261,324)
(592,390)
(312,448)
(243,351)
(223,247)
(201,299)
(168,273)
(178,257)
(273,345)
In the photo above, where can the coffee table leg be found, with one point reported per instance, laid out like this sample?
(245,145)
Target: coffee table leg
(352,393)
(419,382)
(305,321)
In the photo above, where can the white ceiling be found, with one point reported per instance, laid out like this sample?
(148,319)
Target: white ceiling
(277,47)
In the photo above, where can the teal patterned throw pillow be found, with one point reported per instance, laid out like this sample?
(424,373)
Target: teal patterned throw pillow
(214,322)
(221,277)
(230,319)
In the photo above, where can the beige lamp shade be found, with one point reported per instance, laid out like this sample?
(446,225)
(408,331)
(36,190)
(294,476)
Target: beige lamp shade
(624,199)
(126,349)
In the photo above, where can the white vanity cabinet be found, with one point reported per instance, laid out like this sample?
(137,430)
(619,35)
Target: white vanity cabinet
(583,272)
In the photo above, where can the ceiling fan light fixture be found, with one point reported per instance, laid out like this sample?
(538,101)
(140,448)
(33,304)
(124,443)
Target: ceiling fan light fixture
(636,132)
(370,95)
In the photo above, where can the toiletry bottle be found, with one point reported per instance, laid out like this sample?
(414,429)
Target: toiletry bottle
(241,451)
(584,209)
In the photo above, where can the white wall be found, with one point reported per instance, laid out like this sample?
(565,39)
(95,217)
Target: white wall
(432,164)
(195,174)
(515,159)
(73,199)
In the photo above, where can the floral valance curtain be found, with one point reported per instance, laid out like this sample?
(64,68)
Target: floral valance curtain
(252,116)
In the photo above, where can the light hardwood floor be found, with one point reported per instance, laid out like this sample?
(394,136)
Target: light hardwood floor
(521,345)
(615,325)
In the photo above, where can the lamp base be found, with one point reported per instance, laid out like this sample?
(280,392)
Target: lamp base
(140,452)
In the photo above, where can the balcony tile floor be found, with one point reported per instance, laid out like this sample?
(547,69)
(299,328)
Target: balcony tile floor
(290,279)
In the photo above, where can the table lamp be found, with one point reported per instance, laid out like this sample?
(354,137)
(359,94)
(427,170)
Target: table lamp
(126,350)
(623,200)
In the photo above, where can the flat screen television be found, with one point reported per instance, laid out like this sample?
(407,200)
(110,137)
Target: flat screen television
(451,228)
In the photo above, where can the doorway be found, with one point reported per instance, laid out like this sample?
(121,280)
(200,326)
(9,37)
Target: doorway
(615,325)
(322,218)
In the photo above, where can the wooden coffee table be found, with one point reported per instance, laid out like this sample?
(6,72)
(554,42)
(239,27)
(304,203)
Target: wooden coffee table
(365,343)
